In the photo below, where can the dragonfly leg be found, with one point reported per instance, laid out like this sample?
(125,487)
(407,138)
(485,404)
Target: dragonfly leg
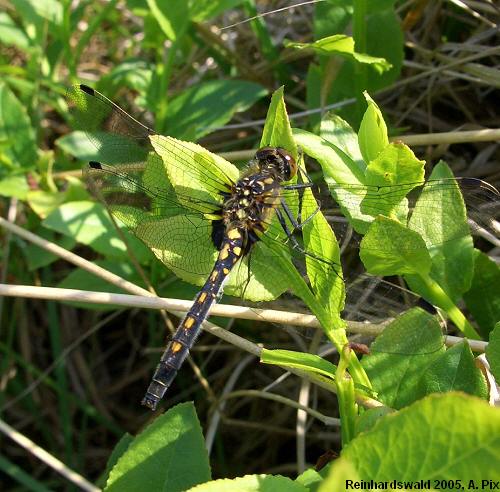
(289,234)
(297,224)
(298,186)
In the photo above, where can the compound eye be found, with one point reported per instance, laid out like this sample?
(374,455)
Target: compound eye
(264,153)
(289,163)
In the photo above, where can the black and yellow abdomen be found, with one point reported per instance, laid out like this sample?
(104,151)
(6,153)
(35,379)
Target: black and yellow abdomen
(185,336)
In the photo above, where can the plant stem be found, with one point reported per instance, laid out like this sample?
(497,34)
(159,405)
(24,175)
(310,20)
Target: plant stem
(345,393)
(444,302)
(359,35)
(164,73)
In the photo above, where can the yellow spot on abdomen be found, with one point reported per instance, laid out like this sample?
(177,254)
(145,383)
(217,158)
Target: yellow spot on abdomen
(224,252)
(202,297)
(237,250)
(188,322)
(176,346)
(233,234)
(225,271)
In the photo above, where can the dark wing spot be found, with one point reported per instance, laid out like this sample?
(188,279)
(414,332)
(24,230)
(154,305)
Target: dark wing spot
(87,89)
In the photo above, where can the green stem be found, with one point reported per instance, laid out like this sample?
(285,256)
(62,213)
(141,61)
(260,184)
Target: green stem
(338,337)
(360,12)
(359,25)
(357,372)
(330,324)
(164,73)
(345,394)
(444,302)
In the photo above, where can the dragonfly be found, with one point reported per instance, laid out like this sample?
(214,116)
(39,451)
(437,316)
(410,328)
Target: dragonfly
(216,227)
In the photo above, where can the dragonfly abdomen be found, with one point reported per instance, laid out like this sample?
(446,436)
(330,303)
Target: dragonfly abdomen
(177,350)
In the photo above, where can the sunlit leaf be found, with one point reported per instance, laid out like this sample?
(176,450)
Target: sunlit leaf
(421,442)
(169,454)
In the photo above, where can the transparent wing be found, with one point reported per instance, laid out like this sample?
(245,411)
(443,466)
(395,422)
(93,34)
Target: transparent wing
(121,139)
(413,204)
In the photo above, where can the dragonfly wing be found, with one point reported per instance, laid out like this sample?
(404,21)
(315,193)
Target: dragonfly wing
(183,243)
(361,204)
(155,214)
(120,138)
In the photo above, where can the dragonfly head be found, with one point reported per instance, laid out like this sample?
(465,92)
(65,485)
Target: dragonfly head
(278,160)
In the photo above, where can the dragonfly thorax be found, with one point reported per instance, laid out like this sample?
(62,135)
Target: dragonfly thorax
(276,161)
(252,201)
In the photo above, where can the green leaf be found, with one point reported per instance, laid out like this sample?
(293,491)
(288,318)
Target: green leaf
(251,483)
(300,360)
(342,475)
(493,351)
(454,370)
(313,95)
(399,355)
(169,454)
(323,251)
(134,73)
(389,248)
(37,257)
(482,299)
(120,448)
(331,17)
(10,34)
(40,11)
(172,17)
(310,479)
(209,105)
(89,223)
(394,166)
(207,9)
(14,186)
(265,281)
(421,442)
(440,218)
(337,165)
(277,131)
(16,132)
(385,39)
(78,145)
(338,169)
(340,44)
(190,259)
(108,148)
(370,417)
(372,134)
(44,202)
(341,135)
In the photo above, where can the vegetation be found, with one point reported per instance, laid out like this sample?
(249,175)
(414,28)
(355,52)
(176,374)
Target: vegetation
(75,363)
